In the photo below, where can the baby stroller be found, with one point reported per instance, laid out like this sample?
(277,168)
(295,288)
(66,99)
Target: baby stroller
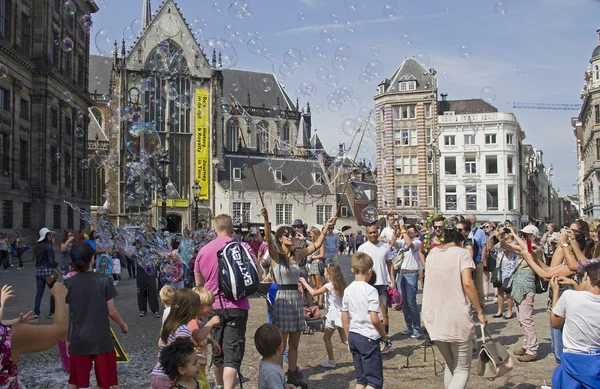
(312,314)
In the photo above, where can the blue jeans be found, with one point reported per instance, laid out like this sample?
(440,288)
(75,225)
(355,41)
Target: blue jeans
(408,285)
(40,284)
(557,343)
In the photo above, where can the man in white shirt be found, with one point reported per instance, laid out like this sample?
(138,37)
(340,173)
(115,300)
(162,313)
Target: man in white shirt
(382,266)
(387,232)
(407,279)
(577,312)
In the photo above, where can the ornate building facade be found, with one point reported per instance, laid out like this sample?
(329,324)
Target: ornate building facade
(44,53)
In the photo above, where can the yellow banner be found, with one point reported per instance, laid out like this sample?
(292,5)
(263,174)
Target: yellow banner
(202,141)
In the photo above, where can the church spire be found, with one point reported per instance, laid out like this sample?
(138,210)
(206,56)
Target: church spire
(146,14)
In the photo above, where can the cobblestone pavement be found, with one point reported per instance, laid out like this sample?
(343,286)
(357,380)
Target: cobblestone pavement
(43,370)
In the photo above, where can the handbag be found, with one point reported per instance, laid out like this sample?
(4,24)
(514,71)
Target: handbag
(493,360)
(541,285)
(507,283)
(398,259)
(52,277)
(497,274)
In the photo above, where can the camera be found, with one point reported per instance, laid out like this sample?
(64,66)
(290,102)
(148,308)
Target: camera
(506,230)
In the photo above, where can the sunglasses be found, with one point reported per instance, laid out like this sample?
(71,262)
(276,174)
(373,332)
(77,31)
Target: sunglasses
(459,230)
(438,227)
(286,234)
(486,227)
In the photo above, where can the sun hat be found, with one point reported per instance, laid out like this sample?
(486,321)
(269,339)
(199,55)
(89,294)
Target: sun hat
(43,232)
(532,230)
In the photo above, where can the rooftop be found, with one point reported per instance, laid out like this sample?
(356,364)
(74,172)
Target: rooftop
(463,107)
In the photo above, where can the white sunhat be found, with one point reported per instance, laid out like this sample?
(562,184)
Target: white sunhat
(43,232)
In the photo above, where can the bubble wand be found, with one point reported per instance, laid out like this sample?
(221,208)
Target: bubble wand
(239,107)
(339,205)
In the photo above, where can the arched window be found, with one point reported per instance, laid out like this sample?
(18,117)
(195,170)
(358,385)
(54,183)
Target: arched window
(232,135)
(597,69)
(98,115)
(263,137)
(286,132)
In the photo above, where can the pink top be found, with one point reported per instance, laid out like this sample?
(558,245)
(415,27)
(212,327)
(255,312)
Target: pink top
(207,265)
(9,371)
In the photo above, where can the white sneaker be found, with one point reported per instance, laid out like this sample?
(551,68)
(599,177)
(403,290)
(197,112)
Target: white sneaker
(386,348)
(115,283)
(330,364)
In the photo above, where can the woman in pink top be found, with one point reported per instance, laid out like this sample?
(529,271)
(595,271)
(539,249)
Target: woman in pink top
(446,309)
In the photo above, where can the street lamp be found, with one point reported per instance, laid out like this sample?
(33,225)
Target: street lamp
(196,188)
(164,161)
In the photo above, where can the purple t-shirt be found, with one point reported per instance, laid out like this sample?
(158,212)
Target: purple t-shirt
(207,264)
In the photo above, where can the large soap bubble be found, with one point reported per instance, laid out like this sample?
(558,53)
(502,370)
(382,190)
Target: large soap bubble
(369,214)
(142,138)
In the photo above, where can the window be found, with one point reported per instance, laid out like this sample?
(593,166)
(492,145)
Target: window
(57,222)
(509,139)
(450,140)
(323,213)
(4,99)
(26,215)
(237,174)
(241,212)
(318,178)
(54,118)
(380,89)
(25,34)
(510,168)
(409,111)
(70,219)
(406,165)
(511,198)
(492,197)
(405,137)
(491,164)
(344,211)
(67,170)
(428,135)
(451,204)
(470,139)
(7,214)
(68,125)
(81,70)
(5,149)
(490,139)
(450,165)
(470,164)
(278,175)
(53,166)
(80,177)
(597,71)
(263,137)
(398,165)
(427,110)
(430,195)
(55,53)
(24,159)
(24,109)
(5,18)
(67,63)
(283,214)
(286,132)
(407,196)
(232,139)
(408,85)
(597,113)
(471,195)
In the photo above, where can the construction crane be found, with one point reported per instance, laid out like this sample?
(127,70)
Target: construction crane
(556,107)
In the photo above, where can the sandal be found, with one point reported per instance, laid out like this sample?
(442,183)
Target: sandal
(509,317)
(498,315)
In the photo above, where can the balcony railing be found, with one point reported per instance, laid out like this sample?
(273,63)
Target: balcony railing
(478,117)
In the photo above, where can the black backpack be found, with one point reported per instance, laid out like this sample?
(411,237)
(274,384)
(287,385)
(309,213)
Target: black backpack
(238,275)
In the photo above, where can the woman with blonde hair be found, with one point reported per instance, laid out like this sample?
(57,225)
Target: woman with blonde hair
(315,263)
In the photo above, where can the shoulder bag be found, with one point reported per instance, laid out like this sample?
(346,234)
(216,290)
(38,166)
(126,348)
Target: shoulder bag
(497,274)
(493,360)
(507,283)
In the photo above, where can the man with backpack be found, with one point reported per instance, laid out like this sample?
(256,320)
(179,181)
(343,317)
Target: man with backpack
(233,313)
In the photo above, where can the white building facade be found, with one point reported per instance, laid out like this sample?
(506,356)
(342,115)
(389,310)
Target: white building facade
(479,163)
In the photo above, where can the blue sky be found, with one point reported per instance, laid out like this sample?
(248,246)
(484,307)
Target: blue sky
(537,51)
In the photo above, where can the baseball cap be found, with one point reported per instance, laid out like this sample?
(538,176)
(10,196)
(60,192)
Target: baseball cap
(43,232)
(532,230)
(82,251)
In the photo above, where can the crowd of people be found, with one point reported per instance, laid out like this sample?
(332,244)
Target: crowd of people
(454,261)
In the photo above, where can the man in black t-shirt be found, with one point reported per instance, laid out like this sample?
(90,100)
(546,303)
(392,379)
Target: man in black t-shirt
(90,299)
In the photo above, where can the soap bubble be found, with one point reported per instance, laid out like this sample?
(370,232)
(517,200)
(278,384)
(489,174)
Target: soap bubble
(327,36)
(465,50)
(142,138)
(318,109)
(301,16)
(339,64)
(351,5)
(406,39)
(390,10)
(334,18)
(225,105)
(3,71)
(350,26)
(332,80)
(69,7)
(227,50)
(322,73)
(84,164)
(79,132)
(320,52)
(286,71)
(292,58)
(424,59)
(266,84)
(445,75)
(255,45)
(369,214)
(501,7)
(343,53)
(104,40)
(85,21)
(67,97)
(67,44)
(217,7)
(488,94)
(57,155)
(235,87)
(374,50)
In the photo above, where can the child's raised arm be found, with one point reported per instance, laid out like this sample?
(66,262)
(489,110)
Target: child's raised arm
(200,334)
(318,292)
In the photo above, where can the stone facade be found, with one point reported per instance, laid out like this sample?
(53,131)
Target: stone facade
(587,126)
(43,110)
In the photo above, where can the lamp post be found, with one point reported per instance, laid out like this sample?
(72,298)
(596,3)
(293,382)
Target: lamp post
(164,161)
(196,188)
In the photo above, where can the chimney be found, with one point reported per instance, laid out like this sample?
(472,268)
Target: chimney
(444,96)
